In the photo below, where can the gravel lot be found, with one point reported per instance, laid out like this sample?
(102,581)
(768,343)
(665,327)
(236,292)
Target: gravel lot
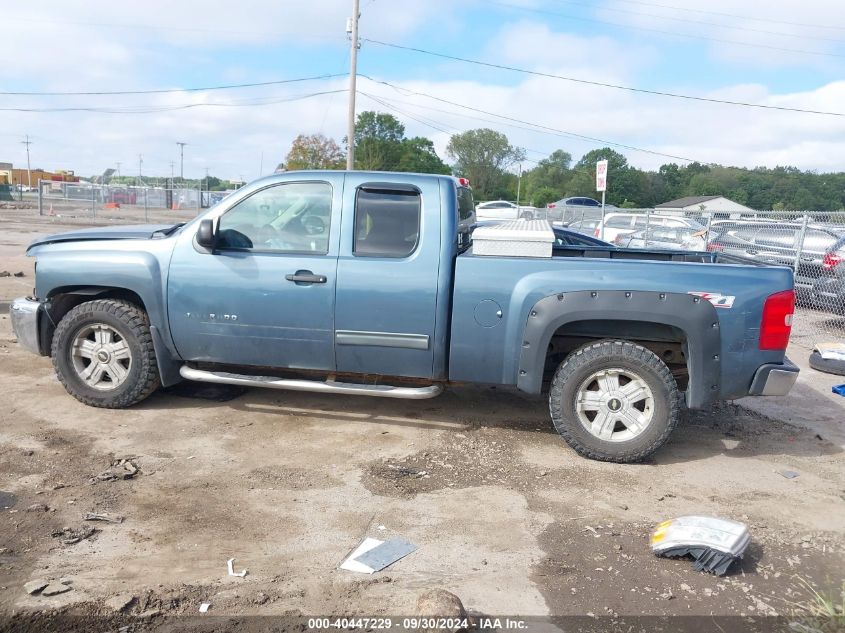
(505,515)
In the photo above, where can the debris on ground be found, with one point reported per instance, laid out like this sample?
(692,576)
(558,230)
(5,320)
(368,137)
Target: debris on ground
(204,607)
(230,564)
(38,507)
(70,536)
(373,555)
(713,543)
(119,469)
(440,603)
(101,516)
(34,586)
(20,273)
(789,474)
(839,390)
(120,602)
(55,588)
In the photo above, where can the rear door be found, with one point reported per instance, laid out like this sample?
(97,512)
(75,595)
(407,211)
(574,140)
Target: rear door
(389,272)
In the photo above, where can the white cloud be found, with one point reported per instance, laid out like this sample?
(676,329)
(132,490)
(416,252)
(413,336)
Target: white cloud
(230,141)
(753,34)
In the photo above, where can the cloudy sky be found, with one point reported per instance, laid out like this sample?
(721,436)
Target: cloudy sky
(789,54)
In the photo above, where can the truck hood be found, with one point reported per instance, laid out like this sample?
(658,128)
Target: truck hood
(136,232)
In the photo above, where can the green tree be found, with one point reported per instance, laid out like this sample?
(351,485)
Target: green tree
(418,156)
(378,141)
(550,176)
(483,155)
(314,151)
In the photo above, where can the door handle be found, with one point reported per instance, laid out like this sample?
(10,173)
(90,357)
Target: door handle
(751,251)
(306,277)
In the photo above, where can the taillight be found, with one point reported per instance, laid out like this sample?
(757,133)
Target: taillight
(777,320)
(597,233)
(831,261)
(714,248)
(550,205)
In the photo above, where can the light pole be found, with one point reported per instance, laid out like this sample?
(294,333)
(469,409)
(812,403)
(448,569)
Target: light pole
(27,142)
(352,31)
(181,160)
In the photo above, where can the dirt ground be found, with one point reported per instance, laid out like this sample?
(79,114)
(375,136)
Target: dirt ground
(505,515)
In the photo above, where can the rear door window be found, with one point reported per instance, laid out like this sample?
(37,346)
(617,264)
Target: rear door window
(387,220)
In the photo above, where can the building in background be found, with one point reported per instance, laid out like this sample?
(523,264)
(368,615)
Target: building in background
(10,175)
(719,204)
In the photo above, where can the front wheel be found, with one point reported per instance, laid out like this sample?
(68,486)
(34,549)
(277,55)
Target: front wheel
(103,354)
(614,401)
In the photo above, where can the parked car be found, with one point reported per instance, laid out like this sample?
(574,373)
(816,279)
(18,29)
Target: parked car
(572,209)
(563,236)
(504,210)
(777,243)
(685,239)
(625,223)
(585,227)
(367,283)
(829,289)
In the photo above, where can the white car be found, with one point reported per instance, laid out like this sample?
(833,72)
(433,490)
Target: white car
(616,224)
(504,210)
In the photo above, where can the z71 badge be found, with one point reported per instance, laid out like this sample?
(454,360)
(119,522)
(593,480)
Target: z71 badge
(718,301)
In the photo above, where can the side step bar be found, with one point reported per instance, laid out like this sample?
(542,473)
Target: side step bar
(328,386)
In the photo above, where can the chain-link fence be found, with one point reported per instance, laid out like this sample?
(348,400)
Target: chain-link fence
(811,244)
(123,202)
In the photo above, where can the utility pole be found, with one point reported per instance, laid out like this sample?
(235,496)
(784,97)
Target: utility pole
(181,160)
(140,166)
(172,186)
(118,169)
(518,187)
(352,31)
(27,142)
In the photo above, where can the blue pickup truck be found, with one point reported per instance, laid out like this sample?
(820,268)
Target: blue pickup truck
(370,283)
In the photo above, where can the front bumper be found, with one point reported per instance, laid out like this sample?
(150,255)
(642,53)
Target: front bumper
(24,315)
(774,379)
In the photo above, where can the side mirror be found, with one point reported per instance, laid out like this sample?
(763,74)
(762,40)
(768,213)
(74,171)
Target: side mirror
(205,234)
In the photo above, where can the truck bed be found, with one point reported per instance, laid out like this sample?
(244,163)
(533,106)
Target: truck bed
(647,254)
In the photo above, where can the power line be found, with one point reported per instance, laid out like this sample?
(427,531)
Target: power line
(535,126)
(173,90)
(734,15)
(671,33)
(659,93)
(702,22)
(156,109)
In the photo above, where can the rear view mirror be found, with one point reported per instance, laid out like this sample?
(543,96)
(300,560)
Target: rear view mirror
(205,234)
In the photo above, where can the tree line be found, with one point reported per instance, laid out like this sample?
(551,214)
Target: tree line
(488,159)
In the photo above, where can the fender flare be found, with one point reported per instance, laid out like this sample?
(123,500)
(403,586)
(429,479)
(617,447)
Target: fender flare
(694,316)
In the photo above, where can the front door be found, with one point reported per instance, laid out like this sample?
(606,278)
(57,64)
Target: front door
(265,295)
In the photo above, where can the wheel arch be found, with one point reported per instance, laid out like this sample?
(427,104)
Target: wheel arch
(63,299)
(641,317)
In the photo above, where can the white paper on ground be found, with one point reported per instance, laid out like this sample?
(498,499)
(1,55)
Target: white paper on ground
(831,351)
(350,564)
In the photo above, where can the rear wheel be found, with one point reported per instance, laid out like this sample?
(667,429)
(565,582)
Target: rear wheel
(614,401)
(526,215)
(103,354)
